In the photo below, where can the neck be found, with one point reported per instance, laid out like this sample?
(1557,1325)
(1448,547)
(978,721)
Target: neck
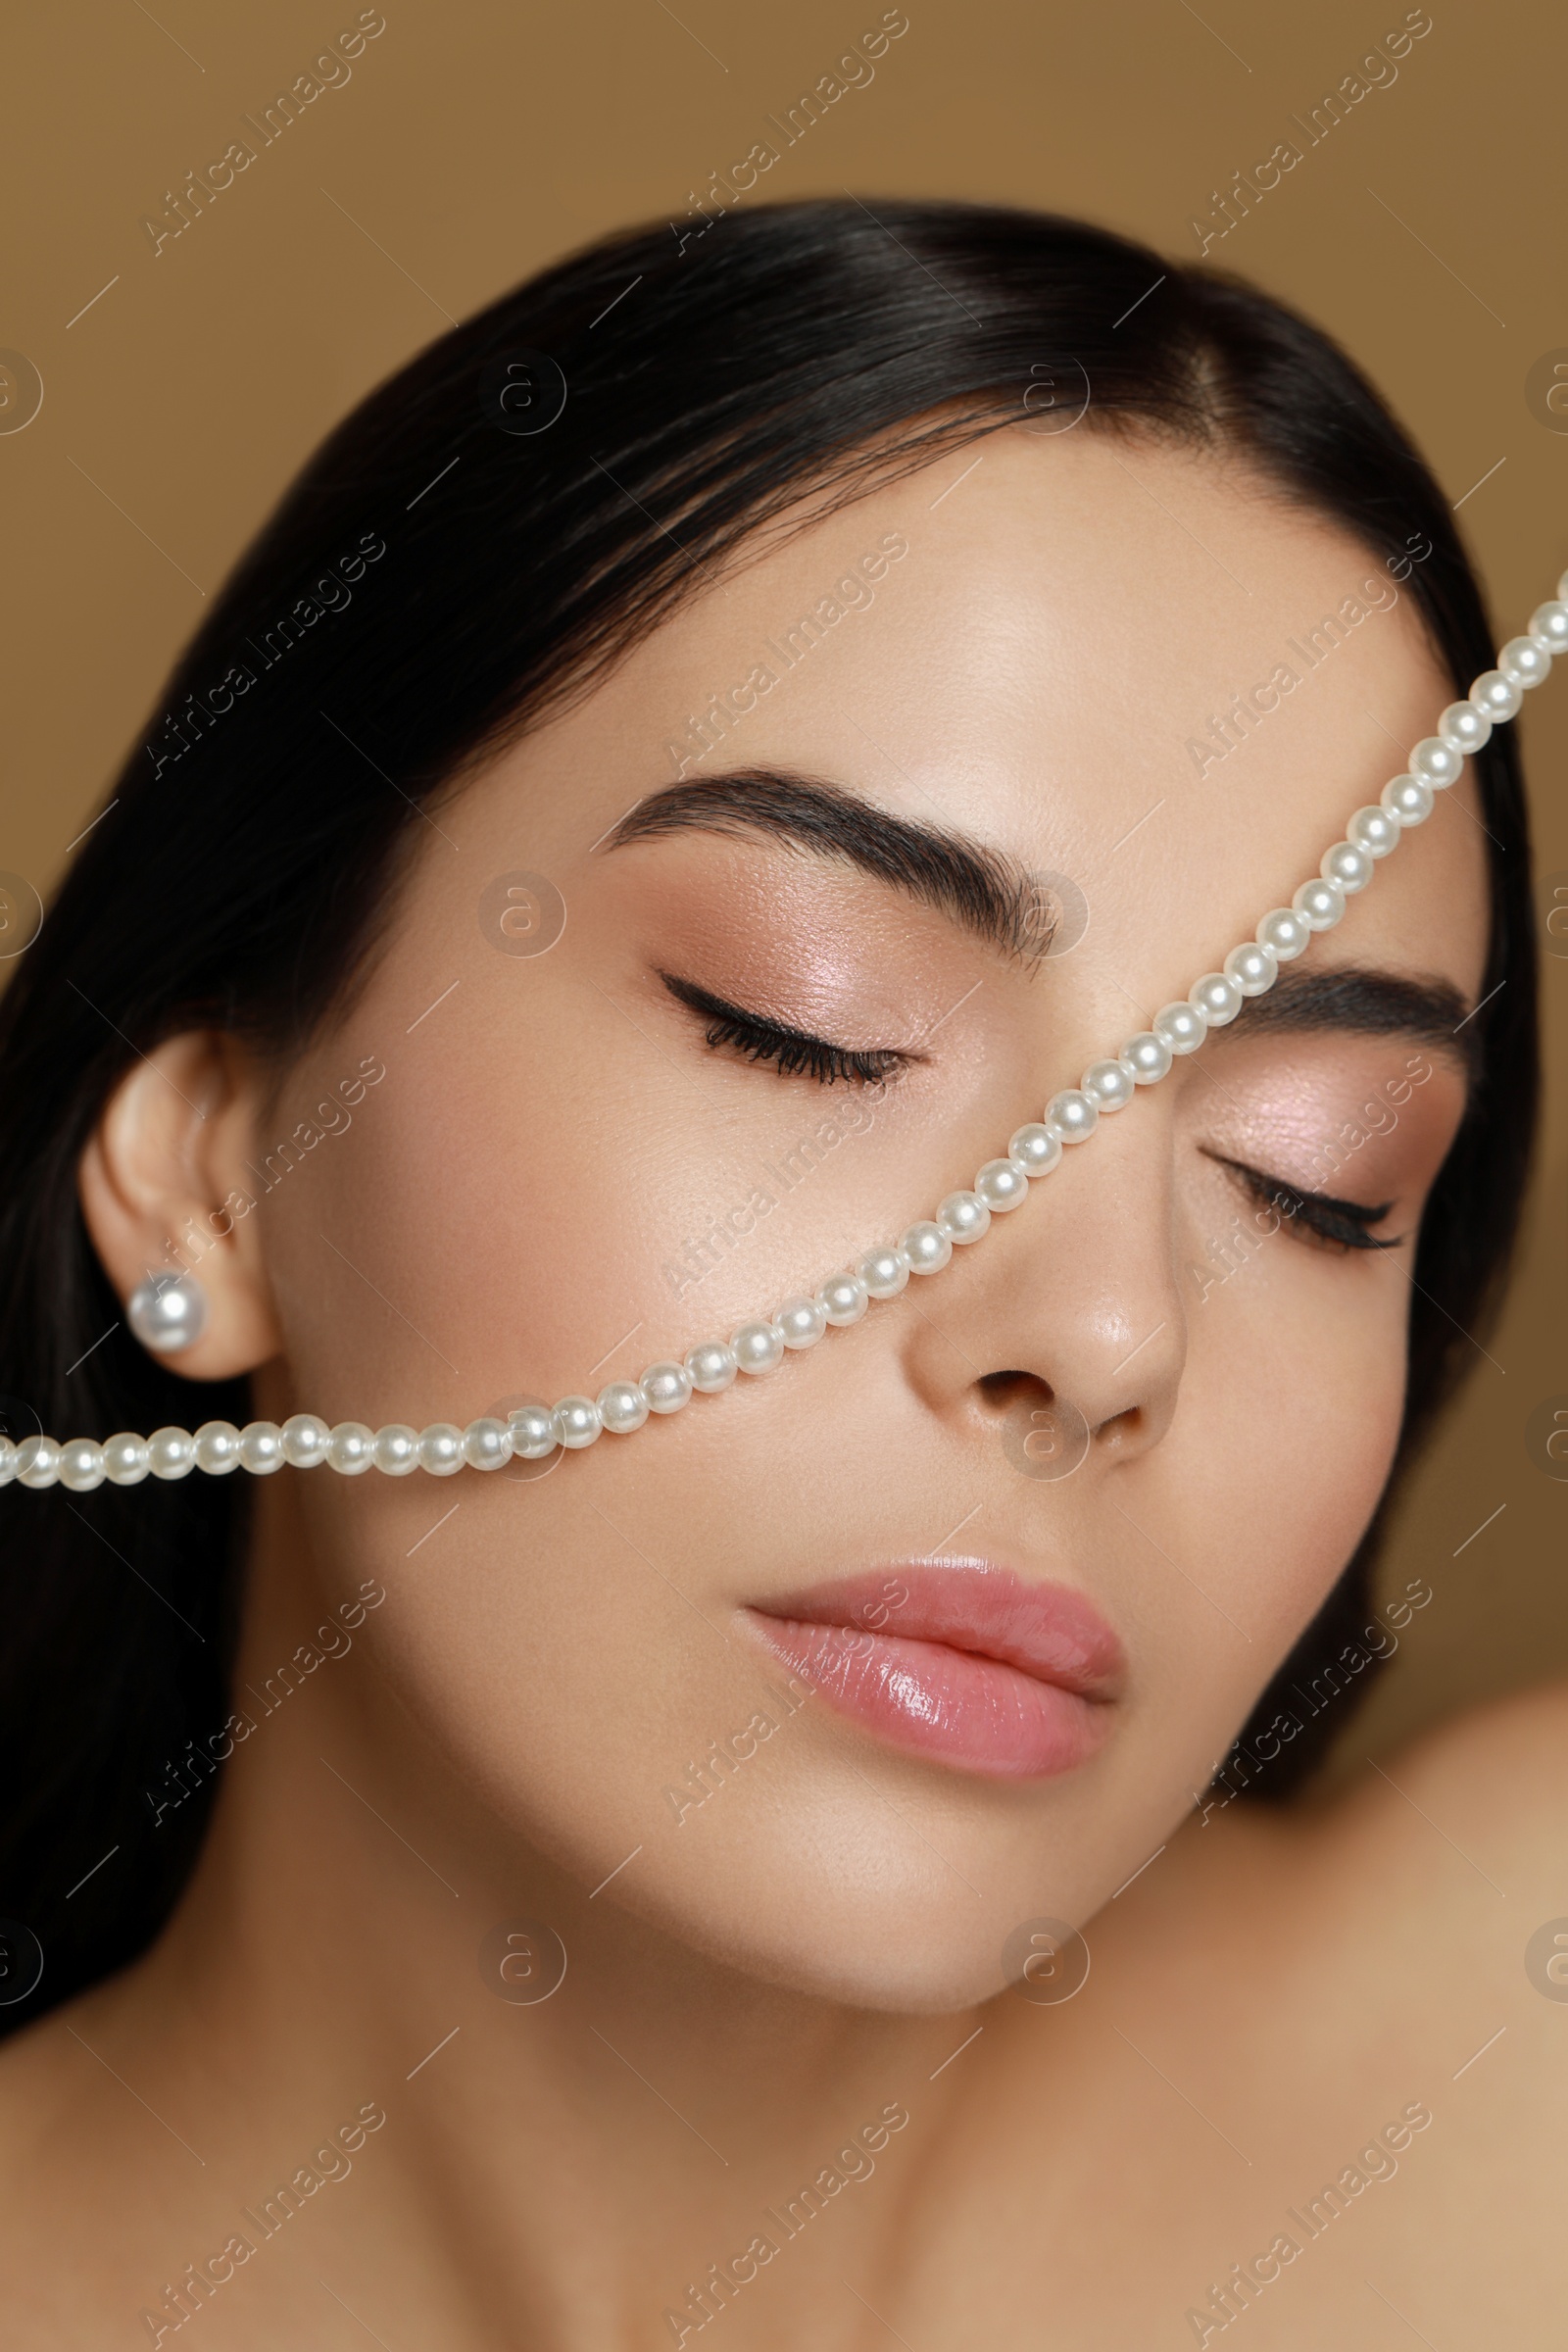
(366,1931)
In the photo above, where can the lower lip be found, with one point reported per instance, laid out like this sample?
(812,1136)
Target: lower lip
(948,1704)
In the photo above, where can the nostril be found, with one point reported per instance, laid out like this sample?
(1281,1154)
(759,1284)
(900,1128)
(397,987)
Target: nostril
(1121,1429)
(1002,1390)
(1042,1433)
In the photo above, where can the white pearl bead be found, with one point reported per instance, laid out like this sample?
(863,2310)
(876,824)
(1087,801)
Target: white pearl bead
(1182,1026)
(1001,1184)
(168,1311)
(1525,659)
(758,1348)
(487,1442)
(1549,622)
(623,1407)
(8,1461)
(441,1449)
(843,1299)
(575,1422)
(1496,694)
(170,1452)
(1351,869)
(885,1272)
(963,1217)
(125,1458)
(533,1433)
(1284,933)
(711,1366)
(261,1448)
(926,1246)
(395,1449)
(1036,1148)
(1375,829)
(665,1387)
(1465,727)
(218,1448)
(351,1449)
(81,1465)
(1319,904)
(1072,1117)
(1108,1085)
(1148,1057)
(801,1322)
(1217,997)
(305,1441)
(1253,968)
(1437,762)
(1409,800)
(38,1461)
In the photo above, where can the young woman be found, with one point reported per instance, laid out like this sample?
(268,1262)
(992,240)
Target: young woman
(713,750)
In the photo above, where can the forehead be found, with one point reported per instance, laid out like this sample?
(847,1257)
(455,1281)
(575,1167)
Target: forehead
(1032,641)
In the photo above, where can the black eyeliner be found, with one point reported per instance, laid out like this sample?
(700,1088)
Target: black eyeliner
(794,1052)
(1330,1218)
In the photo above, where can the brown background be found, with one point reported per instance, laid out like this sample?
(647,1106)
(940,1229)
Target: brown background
(474,143)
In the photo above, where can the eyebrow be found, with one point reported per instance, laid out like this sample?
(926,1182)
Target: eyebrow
(1365,1002)
(995,898)
(984,890)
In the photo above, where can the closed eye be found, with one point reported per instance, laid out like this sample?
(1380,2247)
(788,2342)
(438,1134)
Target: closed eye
(1342,1224)
(794,1052)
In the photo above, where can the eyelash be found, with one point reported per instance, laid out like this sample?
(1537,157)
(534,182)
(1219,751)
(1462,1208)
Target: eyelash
(793,1052)
(1337,1224)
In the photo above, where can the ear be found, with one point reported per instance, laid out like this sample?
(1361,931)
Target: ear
(164,1185)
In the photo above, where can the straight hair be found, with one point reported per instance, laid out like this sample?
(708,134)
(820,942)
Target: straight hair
(434,582)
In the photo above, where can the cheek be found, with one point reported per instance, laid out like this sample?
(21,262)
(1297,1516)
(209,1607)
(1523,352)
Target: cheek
(563,1194)
(485,1225)
(1296,1368)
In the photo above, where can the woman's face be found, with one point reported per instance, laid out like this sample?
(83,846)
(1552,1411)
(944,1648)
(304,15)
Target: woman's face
(1119,1452)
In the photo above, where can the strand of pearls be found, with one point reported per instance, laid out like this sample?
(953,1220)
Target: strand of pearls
(1000,1186)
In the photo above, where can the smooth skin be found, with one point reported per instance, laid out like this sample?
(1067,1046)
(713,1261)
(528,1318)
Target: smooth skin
(754,1980)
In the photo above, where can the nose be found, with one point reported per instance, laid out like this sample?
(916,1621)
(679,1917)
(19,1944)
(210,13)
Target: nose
(1074,1308)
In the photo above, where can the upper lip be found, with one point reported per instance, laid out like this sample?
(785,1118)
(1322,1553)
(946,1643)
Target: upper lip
(1050,1630)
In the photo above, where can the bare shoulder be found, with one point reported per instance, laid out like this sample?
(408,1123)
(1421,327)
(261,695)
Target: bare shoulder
(1416,1910)
(1422,1919)
(1491,1784)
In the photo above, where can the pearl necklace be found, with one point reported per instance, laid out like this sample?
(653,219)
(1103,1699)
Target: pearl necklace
(757,1348)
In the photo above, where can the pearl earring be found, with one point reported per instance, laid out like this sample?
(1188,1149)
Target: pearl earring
(166,1311)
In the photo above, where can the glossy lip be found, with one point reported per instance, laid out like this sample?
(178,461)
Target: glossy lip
(964,1662)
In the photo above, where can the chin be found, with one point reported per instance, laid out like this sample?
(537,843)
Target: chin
(852,1918)
(923,1962)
